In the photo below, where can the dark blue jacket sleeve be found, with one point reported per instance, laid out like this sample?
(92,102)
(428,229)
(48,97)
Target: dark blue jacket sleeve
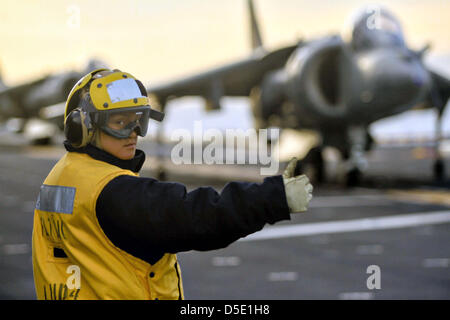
(142,215)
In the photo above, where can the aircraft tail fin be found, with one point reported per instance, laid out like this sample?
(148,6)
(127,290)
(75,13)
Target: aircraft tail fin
(255,34)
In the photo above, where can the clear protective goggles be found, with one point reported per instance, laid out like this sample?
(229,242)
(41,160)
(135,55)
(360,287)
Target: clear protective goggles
(121,123)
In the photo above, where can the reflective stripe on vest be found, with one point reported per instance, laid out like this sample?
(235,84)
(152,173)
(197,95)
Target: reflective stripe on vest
(56,199)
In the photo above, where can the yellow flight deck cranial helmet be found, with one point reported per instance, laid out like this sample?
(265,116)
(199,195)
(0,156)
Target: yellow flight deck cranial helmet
(112,101)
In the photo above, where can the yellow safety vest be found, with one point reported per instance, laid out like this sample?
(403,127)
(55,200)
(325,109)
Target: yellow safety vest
(73,258)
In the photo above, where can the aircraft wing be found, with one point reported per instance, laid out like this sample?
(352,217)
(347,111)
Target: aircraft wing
(234,79)
(19,89)
(28,99)
(12,99)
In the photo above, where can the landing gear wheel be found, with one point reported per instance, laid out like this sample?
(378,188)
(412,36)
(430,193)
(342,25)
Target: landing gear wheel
(312,166)
(42,141)
(438,170)
(161,174)
(353,177)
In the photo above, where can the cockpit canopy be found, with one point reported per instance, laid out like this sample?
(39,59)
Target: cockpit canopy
(373,26)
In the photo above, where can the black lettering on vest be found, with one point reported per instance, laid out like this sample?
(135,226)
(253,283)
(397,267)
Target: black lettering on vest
(52,228)
(44,228)
(74,294)
(65,292)
(59,292)
(55,225)
(62,230)
(59,228)
(50,287)
(60,297)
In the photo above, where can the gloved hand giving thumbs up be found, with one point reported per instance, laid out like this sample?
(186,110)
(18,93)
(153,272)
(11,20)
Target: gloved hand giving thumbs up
(298,189)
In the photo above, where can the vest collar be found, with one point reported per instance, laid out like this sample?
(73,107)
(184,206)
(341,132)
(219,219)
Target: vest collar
(134,164)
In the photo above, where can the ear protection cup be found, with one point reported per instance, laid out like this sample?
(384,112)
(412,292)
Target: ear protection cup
(78,128)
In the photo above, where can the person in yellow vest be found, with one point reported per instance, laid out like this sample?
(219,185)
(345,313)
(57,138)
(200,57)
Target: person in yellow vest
(102,232)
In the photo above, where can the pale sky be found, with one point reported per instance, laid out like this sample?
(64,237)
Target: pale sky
(161,39)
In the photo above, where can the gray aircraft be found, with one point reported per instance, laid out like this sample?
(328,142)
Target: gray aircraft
(38,105)
(337,85)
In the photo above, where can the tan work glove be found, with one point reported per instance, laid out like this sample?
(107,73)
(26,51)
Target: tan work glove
(298,189)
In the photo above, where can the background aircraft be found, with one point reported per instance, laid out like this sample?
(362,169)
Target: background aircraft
(36,108)
(336,85)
